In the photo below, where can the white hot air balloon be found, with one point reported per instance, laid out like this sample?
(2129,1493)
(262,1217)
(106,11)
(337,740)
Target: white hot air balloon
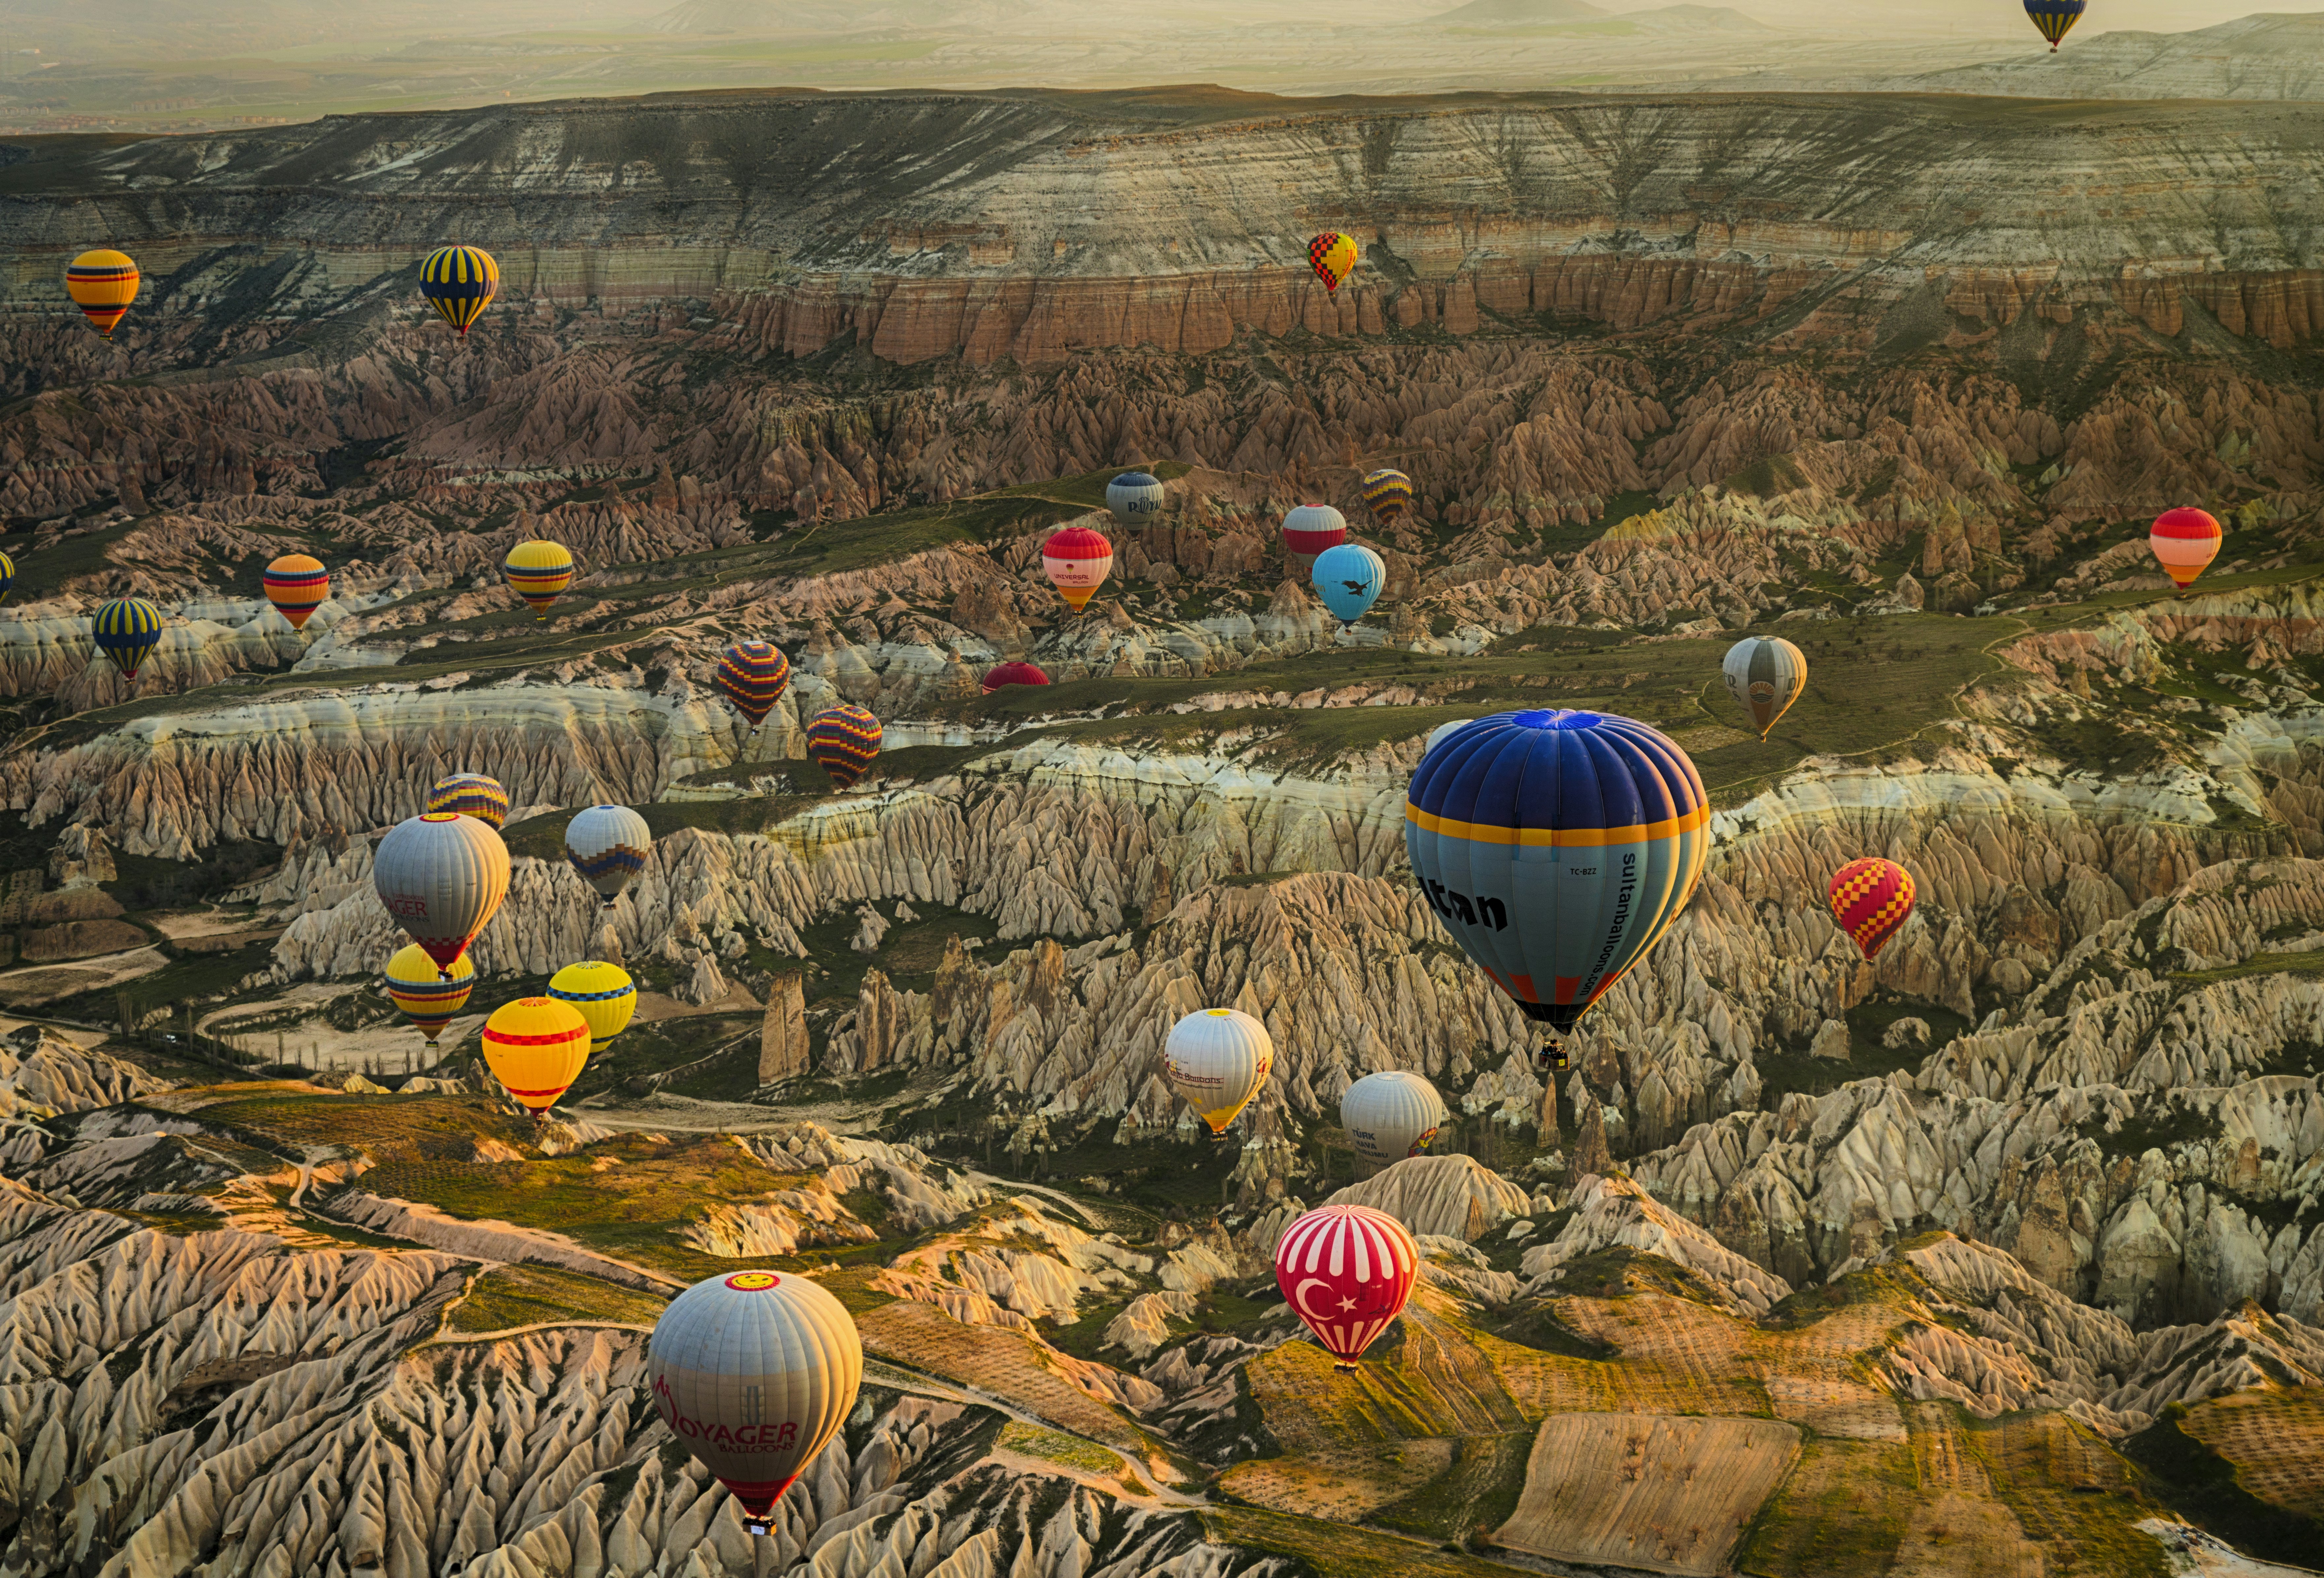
(442,877)
(1764,675)
(754,1372)
(608,845)
(1135,497)
(1391,1115)
(1217,1059)
(1442,730)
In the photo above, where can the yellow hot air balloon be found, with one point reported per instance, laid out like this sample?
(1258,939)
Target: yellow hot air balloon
(103,283)
(603,993)
(539,572)
(1333,256)
(297,584)
(536,1047)
(416,986)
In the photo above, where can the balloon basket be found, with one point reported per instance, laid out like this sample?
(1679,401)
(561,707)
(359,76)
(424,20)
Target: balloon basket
(761,1526)
(1551,1060)
(1344,1366)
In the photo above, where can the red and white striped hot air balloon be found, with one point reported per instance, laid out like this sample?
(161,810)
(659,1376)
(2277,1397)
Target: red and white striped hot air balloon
(1347,1270)
(2184,540)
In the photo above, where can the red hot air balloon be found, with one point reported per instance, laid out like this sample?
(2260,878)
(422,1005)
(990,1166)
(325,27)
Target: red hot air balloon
(1077,561)
(1872,900)
(2184,541)
(1003,674)
(1347,1270)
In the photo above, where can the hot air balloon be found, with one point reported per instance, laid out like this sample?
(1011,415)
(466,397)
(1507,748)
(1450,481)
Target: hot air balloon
(127,630)
(1135,498)
(1333,256)
(1437,735)
(1078,561)
(608,845)
(2055,17)
(472,794)
(442,877)
(843,739)
(603,994)
(753,675)
(1391,1115)
(2184,540)
(1311,528)
(1347,1271)
(1872,899)
(1764,675)
(539,572)
(1000,675)
(459,283)
(1387,494)
(297,584)
(1217,1059)
(754,1372)
(1349,579)
(103,283)
(8,576)
(1556,847)
(428,999)
(536,1047)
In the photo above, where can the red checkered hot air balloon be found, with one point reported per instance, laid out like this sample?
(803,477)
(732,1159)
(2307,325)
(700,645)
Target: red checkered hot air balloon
(2184,540)
(1003,674)
(1872,899)
(753,675)
(1347,1271)
(1333,256)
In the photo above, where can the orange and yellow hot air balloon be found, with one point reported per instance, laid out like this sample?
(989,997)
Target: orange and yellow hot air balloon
(104,282)
(1872,900)
(2185,540)
(1333,256)
(536,1047)
(297,584)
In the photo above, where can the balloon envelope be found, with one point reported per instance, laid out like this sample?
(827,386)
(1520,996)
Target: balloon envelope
(2055,18)
(442,877)
(1347,1271)
(1313,527)
(2185,541)
(1764,675)
(459,283)
(1349,578)
(1556,847)
(472,794)
(536,1047)
(539,572)
(127,630)
(753,675)
(603,994)
(1333,256)
(297,584)
(1391,1115)
(8,576)
(417,987)
(842,741)
(754,1372)
(1872,899)
(1387,494)
(1135,498)
(1000,675)
(608,845)
(102,284)
(1078,561)
(1217,1059)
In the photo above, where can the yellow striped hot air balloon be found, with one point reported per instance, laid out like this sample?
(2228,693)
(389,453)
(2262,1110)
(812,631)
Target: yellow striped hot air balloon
(539,572)
(602,994)
(536,1047)
(459,283)
(297,584)
(127,630)
(103,283)
(415,986)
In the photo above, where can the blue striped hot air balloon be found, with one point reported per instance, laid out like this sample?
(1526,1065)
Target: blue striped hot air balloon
(459,283)
(127,630)
(2055,18)
(1556,847)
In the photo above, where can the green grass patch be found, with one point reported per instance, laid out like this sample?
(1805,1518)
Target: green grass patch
(2309,963)
(509,1297)
(1055,1447)
(2200,1485)
(1339,1550)
(1841,1513)
(1474,1497)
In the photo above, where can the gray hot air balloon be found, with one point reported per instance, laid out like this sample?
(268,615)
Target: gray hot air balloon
(1764,675)
(1135,498)
(1391,1115)
(442,876)
(607,844)
(754,1372)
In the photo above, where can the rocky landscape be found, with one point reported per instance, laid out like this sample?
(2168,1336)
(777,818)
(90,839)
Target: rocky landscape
(2001,1254)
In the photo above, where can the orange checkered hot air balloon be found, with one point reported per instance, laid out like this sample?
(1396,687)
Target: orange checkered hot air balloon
(1872,899)
(1333,256)
(2185,540)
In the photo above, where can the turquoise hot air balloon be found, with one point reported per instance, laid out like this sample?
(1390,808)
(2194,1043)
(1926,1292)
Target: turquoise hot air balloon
(1556,847)
(127,630)
(1349,579)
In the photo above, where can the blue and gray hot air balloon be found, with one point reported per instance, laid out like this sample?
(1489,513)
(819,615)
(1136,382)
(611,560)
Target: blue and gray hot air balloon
(1135,498)
(1556,847)
(1349,579)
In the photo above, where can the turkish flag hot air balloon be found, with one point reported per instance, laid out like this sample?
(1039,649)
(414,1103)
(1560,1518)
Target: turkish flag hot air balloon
(2184,540)
(1077,561)
(1000,675)
(1347,1271)
(1872,900)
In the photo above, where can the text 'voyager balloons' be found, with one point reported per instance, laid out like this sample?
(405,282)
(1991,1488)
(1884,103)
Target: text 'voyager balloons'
(1556,847)
(1135,498)
(753,675)
(459,283)
(472,794)
(2185,541)
(754,1372)
(2055,18)
(608,845)
(1078,561)
(102,284)
(536,1047)
(1217,1059)
(844,741)
(1347,1271)
(1391,1115)
(1333,256)
(603,994)
(1387,494)
(127,630)
(539,572)
(1001,676)
(1764,676)
(428,1000)
(297,584)
(442,877)
(1312,529)
(1872,899)
(1349,579)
